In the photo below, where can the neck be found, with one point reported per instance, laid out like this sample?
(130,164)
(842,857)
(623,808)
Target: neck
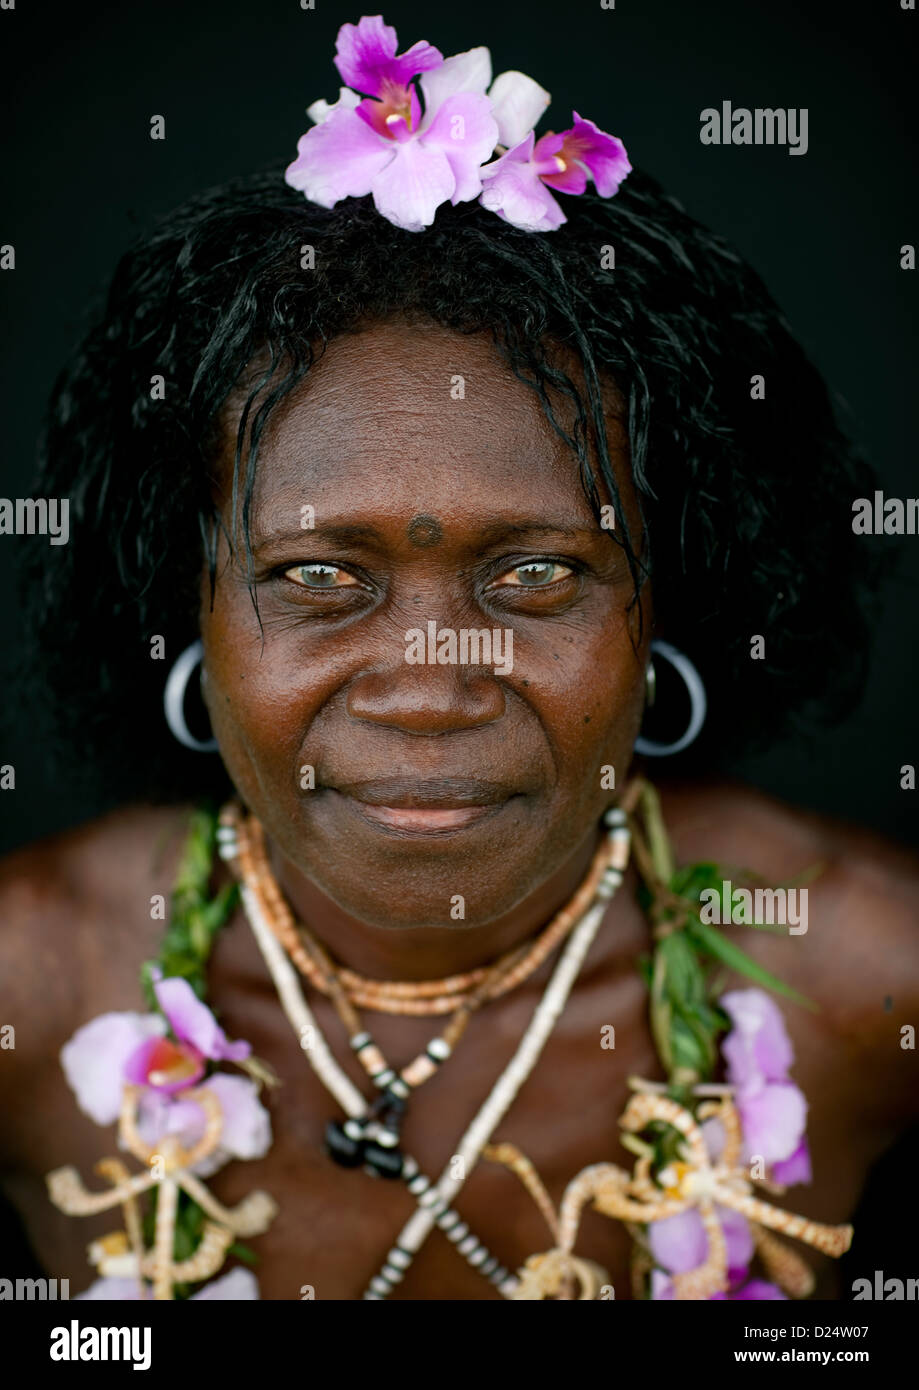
(427,953)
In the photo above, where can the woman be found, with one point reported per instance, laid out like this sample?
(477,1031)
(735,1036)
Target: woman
(328,447)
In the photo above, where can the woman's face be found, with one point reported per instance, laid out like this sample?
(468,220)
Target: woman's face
(439,495)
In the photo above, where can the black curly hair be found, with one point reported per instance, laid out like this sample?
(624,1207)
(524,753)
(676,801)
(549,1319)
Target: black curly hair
(746,502)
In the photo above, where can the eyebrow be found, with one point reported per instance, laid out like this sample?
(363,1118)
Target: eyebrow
(345,533)
(502,530)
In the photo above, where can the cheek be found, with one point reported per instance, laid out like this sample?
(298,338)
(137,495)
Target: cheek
(588,686)
(260,694)
(273,699)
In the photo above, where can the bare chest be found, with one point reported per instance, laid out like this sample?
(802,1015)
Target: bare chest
(335,1227)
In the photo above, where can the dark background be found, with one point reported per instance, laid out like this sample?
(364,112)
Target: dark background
(81,178)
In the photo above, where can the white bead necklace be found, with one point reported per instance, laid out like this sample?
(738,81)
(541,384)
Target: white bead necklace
(340,1085)
(434,1200)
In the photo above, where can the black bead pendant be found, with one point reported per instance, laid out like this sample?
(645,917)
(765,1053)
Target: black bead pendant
(383,1162)
(347,1152)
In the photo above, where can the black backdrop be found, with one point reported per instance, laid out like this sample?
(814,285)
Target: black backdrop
(81,177)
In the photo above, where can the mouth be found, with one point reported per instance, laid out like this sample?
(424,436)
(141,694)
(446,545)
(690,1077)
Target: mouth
(409,806)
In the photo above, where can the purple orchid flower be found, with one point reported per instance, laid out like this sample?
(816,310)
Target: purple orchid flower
(755,1289)
(170,1066)
(679,1244)
(116,1048)
(245,1131)
(773,1110)
(410,160)
(517,186)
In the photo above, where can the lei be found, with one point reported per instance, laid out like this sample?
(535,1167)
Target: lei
(187,1101)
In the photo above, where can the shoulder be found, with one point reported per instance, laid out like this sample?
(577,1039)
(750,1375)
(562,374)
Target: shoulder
(76,923)
(858,957)
(772,838)
(754,830)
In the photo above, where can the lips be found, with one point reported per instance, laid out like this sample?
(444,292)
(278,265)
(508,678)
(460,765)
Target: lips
(424,806)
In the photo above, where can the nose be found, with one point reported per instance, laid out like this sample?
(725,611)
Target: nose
(427,699)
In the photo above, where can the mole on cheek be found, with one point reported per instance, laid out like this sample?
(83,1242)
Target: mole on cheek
(424,531)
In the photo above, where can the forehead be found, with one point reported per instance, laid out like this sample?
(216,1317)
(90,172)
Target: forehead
(407,418)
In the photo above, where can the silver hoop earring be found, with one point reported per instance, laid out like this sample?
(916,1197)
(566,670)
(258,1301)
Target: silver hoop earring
(697,699)
(174,700)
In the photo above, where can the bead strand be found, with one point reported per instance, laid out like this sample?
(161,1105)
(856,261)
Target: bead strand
(327,1070)
(434,1200)
(415,997)
(417,1229)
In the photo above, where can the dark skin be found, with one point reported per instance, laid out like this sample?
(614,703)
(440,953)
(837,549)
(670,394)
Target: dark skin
(433,781)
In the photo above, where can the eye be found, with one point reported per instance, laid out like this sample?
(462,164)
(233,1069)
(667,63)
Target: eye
(316,576)
(536,574)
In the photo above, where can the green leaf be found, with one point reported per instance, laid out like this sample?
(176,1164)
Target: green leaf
(685,979)
(698,1027)
(687,1048)
(689,881)
(645,969)
(724,950)
(243,1252)
(660,1010)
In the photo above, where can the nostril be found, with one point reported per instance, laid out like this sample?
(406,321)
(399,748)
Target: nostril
(427,699)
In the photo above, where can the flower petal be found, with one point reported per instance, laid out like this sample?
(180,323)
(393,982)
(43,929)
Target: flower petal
(365,55)
(465,131)
(412,187)
(321,110)
(795,1168)
(523,202)
(661,1283)
(246,1131)
(114,1290)
(513,189)
(163,1064)
(517,102)
(758,1289)
(772,1120)
(236,1285)
(158,1114)
(570,179)
(192,1021)
(679,1243)
(737,1236)
(603,155)
(338,159)
(464,72)
(758,1047)
(714,1136)
(94,1059)
(521,153)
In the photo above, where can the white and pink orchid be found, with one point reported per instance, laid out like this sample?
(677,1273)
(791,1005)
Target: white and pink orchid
(773,1110)
(131,1048)
(414,145)
(517,186)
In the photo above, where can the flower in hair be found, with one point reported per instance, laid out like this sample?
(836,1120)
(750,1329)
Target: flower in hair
(416,130)
(411,159)
(518,184)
